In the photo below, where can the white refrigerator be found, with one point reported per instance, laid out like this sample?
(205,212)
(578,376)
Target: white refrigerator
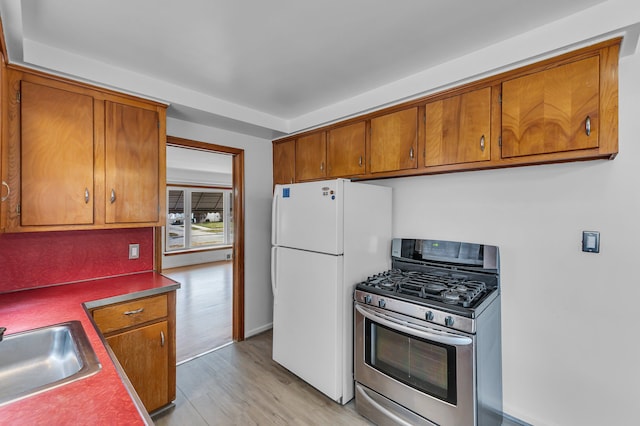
(326,237)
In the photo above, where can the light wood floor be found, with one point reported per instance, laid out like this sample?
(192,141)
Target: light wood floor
(241,385)
(203,307)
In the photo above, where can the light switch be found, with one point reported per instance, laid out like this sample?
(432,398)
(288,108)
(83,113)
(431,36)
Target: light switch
(591,241)
(134,251)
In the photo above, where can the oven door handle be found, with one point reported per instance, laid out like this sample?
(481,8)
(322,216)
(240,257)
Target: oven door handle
(415,330)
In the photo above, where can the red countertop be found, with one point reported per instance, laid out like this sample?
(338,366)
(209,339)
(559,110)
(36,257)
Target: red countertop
(99,399)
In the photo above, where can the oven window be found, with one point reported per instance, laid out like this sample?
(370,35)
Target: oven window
(424,365)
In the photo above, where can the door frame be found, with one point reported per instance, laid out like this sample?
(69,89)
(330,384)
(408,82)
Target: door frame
(238,231)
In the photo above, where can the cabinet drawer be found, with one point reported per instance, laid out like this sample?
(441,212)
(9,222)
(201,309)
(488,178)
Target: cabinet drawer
(128,314)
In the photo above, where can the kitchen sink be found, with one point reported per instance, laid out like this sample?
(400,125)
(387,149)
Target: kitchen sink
(37,360)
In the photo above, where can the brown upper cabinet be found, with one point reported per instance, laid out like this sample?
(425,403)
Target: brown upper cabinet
(458,129)
(284,162)
(553,110)
(57,146)
(346,150)
(132,168)
(80,158)
(311,156)
(559,109)
(394,138)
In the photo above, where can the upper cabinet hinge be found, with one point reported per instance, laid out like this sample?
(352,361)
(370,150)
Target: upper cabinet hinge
(18,96)
(500,98)
(158,124)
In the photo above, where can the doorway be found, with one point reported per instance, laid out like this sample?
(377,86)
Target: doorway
(203,308)
(237,305)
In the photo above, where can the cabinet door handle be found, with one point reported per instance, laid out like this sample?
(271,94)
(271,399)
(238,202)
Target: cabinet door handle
(113,196)
(587,126)
(86,195)
(360,161)
(135,311)
(482,143)
(411,153)
(162,338)
(322,166)
(8,191)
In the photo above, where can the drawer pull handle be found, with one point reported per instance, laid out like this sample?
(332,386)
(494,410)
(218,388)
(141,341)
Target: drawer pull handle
(360,161)
(587,126)
(482,143)
(162,338)
(6,185)
(135,311)
(86,195)
(411,153)
(113,196)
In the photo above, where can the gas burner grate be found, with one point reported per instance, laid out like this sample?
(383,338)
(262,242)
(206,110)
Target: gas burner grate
(448,287)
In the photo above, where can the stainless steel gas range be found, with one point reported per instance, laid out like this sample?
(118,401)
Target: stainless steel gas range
(428,336)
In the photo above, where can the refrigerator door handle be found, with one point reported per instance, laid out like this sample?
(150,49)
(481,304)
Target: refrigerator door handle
(274,217)
(274,262)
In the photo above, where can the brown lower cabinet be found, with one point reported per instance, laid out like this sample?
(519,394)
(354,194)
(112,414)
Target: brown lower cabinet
(141,334)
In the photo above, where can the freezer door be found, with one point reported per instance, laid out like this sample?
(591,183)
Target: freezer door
(309,216)
(308,318)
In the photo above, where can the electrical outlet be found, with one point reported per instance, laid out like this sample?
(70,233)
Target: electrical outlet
(134,251)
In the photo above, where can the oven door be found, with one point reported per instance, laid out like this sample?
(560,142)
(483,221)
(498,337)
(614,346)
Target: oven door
(422,367)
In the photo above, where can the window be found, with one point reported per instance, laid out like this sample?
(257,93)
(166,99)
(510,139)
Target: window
(198,217)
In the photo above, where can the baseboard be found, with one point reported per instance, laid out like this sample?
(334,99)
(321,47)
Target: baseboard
(508,420)
(258,330)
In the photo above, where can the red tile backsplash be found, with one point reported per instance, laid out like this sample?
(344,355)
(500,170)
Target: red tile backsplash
(40,259)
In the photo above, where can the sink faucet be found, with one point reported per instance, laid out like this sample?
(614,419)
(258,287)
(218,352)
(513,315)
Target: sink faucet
(2,330)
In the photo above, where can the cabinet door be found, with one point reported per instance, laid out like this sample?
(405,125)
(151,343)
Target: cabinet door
(144,356)
(394,140)
(284,162)
(132,164)
(346,150)
(550,111)
(311,152)
(458,129)
(57,148)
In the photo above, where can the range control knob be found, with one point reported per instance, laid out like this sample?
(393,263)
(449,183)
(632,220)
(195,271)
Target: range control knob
(448,321)
(428,316)
(382,303)
(367,298)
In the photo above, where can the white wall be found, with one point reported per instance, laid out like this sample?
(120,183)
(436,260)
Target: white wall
(257,204)
(571,345)
(572,360)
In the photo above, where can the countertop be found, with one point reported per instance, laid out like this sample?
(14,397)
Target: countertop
(102,398)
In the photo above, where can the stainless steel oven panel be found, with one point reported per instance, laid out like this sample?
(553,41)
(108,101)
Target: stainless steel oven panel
(384,412)
(427,406)
(415,310)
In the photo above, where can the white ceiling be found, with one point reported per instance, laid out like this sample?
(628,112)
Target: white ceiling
(261,64)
